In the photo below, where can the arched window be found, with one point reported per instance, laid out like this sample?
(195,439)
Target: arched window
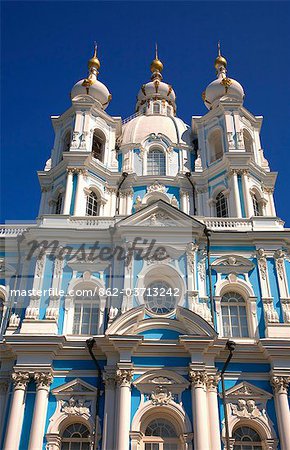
(58,205)
(66,141)
(86,312)
(156,162)
(76,437)
(98,145)
(234,315)
(160,434)
(257,206)
(215,145)
(221,205)
(156,108)
(93,205)
(248,141)
(246,439)
(159,298)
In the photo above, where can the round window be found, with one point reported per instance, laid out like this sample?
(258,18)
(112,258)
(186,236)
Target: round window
(159,298)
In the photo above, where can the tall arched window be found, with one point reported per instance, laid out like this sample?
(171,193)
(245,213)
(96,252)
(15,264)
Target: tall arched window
(248,141)
(215,145)
(86,312)
(246,439)
(160,434)
(221,205)
(58,205)
(66,141)
(93,205)
(257,206)
(234,315)
(76,437)
(1,309)
(156,108)
(156,162)
(98,145)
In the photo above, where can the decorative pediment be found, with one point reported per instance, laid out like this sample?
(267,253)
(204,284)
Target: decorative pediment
(135,322)
(161,214)
(76,386)
(232,264)
(247,391)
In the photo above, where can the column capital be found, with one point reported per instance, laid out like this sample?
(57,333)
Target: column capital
(198,378)
(20,380)
(124,377)
(43,380)
(109,378)
(212,382)
(280,384)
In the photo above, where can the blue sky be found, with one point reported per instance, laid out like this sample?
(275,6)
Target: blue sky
(46,45)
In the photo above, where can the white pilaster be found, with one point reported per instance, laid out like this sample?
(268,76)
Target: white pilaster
(3,403)
(199,410)
(213,412)
(184,200)
(14,427)
(79,198)
(124,379)
(43,381)
(280,386)
(109,412)
(52,310)
(247,196)
(68,191)
(236,194)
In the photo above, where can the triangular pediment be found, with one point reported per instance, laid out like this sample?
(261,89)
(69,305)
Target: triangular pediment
(161,215)
(247,390)
(76,386)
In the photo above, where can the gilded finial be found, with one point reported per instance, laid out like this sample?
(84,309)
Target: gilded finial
(220,60)
(156,65)
(94,62)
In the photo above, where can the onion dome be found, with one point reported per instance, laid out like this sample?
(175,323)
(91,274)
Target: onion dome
(91,86)
(223,88)
(156,90)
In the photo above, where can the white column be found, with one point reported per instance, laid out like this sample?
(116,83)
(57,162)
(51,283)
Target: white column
(109,412)
(280,387)
(124,378)
(3,403)
(237,202)
(68,191)
(184,200)
(247,195)
(79,198)
(14,427)
(213,412)
(43,381)
(199,410)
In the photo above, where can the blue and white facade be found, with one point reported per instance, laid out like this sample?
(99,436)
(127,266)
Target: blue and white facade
(156,242)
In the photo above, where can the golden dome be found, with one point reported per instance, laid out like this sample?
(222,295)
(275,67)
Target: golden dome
(220,61)
(94,62)
(156,65)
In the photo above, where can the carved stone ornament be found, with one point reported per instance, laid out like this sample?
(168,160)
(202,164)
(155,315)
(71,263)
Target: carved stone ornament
(247,409)
(262,262)
(190,253)
(160,220)
(124,377)
(157,187)
(77,407)
(161,396)
(109,378)
(43,380)
(271,315)
(14,321)
(20,379)
(280,384)
(198,378)
(279,256)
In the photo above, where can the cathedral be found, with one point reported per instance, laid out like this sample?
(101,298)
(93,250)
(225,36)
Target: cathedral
(148,305)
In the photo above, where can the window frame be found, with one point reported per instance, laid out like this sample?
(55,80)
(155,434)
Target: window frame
(241,303)
(152,163)
(221,207)
(95,204)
